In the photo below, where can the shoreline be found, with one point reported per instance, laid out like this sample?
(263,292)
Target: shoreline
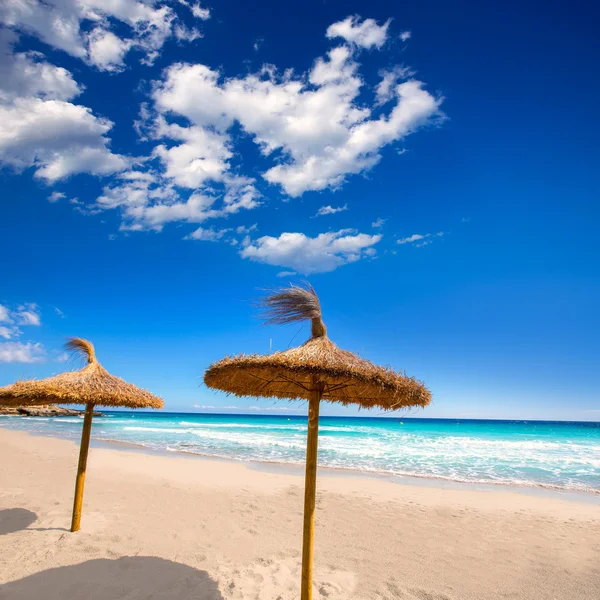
(589,496)
(170,525)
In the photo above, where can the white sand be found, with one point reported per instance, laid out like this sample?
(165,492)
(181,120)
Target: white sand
(182,528)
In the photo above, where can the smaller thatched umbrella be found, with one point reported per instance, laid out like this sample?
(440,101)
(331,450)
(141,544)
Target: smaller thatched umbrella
(92,386)
(317,370)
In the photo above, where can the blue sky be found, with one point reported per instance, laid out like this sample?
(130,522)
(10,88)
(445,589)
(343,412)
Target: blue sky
(430,167)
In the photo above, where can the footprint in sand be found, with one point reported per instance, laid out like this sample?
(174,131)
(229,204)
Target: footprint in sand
(279,579)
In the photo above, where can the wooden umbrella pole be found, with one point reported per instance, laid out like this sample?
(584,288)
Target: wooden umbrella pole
(310,487)
(83,454)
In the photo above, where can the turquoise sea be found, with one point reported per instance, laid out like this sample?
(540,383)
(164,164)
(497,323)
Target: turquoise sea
(563,455)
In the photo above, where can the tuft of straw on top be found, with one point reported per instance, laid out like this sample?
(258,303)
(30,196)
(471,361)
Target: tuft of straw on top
(81,348)
(289,305)
(340,375)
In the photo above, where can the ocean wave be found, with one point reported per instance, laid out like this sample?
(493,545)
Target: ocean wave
(301,427)
(520,456)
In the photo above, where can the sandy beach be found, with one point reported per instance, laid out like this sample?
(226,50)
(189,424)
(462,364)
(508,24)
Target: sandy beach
(185,527)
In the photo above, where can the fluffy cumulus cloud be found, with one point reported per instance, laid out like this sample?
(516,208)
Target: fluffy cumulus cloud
(366,34)
(28,74)
(147,201)
(24,314)
(106,50)
(307,255)
(27,314)
(57,138)
(312,124)
(11,348)
(314,129)
(24,352)
(40,128)
(84,28)
(199,155)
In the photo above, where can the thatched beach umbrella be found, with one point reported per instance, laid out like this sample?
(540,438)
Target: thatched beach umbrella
(92,386)
(317,370)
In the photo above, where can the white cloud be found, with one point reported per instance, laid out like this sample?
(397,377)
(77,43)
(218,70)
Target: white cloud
(144,24)
(330,210)
(405,36)
(286,273)
(27,74)
(420,240)
(28,317)
(200,13)
(40,129)
(409,240)
(7,332)
(153,216)
(378,223)
(314,119)
(148,202)
(25,314)
(203,156)
(59,312)
(106,50)
(243,229)
(366,34)
(314,129)
(27,352)
(311,123)
(360,150)
(207,235)
(187,34)
(386,88)
(56,196)
(95,161)
(307,255)
(4,314)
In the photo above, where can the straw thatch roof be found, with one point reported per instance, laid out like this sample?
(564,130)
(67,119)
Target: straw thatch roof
(342,376)
(92,384)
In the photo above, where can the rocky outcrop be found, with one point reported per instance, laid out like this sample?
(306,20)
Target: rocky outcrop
(48,410)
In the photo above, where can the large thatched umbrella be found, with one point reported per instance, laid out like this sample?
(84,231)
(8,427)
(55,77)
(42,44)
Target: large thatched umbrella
(317,370)
(92,386)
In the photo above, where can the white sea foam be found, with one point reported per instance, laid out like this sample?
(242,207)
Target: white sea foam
(520,455)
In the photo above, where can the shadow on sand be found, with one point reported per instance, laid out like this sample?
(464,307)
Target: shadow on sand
(129,577)
(19,519)
(15,519)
